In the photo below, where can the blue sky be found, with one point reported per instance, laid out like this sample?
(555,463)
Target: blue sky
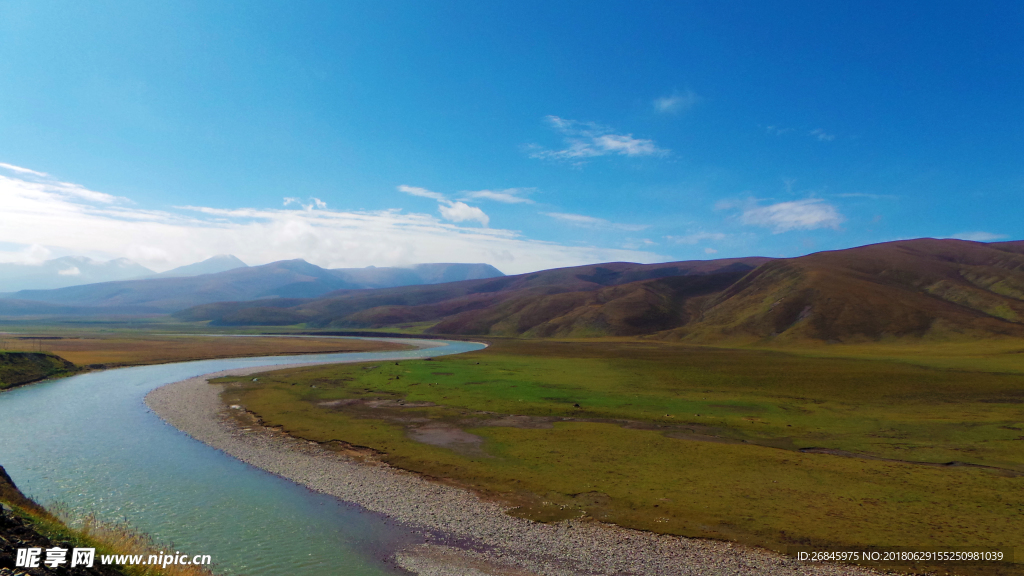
(524,134)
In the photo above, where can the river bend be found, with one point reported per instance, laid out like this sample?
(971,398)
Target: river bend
(90,442)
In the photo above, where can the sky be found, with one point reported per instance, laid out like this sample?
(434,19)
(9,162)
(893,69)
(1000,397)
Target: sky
(527,135)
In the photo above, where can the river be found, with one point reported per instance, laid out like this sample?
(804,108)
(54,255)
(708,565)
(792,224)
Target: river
(90,442)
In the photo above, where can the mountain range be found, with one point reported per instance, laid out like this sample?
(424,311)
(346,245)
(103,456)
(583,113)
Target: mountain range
(219,263)
(79,270)
(906,289)
(525,304)
(924,288)
(174,290)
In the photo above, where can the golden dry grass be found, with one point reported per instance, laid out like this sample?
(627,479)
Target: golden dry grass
(120,540)
(132,350)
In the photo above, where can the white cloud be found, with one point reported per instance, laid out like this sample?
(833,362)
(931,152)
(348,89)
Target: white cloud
(43,181)
(710,251)
(822,136)
(809,214)
(416,191)
(589,140)
(73,271)
(462,212)
(313,203)
(676,102)
(979,236)
(507,196)
(730,203)
(634,243)
(32,255)
(37,214)
(696,238)
(591,222)
(868,196)
(23,171)
(577,218)
(450,210)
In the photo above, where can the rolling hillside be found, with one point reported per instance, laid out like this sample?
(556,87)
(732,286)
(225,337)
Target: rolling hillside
(915,288)
(613,298)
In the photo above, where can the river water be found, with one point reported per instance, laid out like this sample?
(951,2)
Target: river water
(91,443)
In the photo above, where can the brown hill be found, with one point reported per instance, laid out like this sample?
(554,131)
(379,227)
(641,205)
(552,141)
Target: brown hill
(629,309)
(528,303)
(913,288)
(910,288)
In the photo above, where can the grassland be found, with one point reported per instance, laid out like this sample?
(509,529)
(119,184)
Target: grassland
(997,355)
(127,348)
(694,441)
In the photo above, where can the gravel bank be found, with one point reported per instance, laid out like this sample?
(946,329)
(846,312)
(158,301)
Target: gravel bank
(467,536)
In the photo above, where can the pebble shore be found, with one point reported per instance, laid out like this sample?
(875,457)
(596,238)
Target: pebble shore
(466,536)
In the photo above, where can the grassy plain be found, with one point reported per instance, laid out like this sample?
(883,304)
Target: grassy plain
(133,348)
(989,355)
(694,441)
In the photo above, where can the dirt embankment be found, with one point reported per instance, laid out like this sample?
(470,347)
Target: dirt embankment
(17,368)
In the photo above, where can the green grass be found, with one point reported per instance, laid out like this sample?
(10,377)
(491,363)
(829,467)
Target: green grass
(991,355)
(739,417)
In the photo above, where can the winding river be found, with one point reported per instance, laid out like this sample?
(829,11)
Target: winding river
(89,442)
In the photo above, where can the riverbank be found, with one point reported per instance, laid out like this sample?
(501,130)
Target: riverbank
(465,535)
(20,368)
(24,524)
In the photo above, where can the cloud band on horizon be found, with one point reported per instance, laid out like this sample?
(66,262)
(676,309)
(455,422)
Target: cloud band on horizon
(63,217)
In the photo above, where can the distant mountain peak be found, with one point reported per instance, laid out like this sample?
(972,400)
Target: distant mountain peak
(212,265)
(226,258)
(123,262)
(82,260)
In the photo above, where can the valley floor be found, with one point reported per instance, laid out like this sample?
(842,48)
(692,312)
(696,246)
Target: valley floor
(463,534)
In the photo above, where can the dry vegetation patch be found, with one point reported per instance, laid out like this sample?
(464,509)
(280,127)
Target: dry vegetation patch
(135,349)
